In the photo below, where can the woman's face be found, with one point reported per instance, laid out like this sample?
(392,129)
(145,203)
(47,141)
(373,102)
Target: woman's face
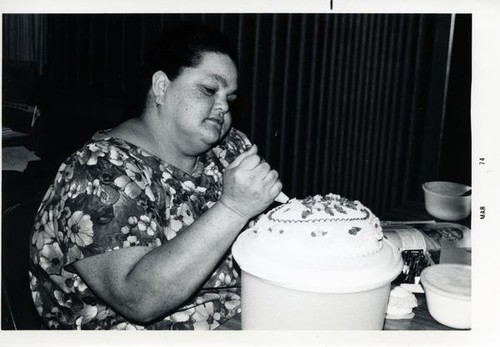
(197,103)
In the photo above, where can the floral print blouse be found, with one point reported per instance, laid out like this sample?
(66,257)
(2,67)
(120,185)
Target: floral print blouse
(112,194)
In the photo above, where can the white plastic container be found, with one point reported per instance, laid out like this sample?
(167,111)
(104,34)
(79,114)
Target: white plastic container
(314,294)
(267,305)
(447,200)
(448,294)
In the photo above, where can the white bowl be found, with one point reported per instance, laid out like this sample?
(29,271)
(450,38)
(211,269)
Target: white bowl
(448,294)
(445,200)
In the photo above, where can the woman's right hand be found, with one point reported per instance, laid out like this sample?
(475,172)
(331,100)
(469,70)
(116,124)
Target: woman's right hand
(250,185)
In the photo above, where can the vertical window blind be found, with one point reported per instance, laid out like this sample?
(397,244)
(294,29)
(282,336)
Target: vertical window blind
(345,103)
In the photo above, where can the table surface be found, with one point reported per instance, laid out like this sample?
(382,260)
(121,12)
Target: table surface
(422,319)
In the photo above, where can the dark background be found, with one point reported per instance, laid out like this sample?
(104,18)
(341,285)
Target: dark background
(368,106)
(357,104)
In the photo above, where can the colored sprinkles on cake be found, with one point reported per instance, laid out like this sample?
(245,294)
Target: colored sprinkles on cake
(354,230)
(323,220)
(329,210)
(306,213)
(318,233)
(339,209)
(330,204)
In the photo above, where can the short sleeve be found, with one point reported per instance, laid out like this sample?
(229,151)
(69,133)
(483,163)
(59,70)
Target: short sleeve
(102,200)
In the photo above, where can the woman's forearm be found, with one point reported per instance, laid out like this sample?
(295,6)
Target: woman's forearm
(172,272)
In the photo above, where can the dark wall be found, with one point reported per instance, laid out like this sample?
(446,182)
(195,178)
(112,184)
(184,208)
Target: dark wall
(455,163)
(351,104)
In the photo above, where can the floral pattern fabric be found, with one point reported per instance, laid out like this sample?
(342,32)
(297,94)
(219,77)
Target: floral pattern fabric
(110,195)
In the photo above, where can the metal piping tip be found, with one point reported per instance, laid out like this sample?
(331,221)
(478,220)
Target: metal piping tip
(282,198)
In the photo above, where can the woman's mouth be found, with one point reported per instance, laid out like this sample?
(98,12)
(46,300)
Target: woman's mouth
(216,120)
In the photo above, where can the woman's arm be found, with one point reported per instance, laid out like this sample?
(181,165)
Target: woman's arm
(144,284)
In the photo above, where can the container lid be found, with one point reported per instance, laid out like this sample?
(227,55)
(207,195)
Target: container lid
(319,244)
(450,280)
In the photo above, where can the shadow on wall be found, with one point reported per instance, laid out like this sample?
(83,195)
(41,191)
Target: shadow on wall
(70,117)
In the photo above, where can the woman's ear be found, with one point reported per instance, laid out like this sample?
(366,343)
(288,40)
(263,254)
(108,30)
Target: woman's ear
(159,84)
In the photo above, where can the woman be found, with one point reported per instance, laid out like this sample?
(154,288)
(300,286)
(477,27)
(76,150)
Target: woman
(136,229)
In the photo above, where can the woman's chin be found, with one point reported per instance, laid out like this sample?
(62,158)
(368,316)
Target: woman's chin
(215,134)
(208,141)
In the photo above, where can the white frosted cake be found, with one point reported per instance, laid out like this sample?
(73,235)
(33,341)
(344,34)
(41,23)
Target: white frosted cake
(324,254)
(324,225)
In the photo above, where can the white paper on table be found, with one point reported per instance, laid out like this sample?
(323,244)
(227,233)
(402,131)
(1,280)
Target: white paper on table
(16,158)
(405,237)
(8,133)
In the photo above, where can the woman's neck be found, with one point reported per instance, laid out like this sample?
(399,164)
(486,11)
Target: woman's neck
(145,133)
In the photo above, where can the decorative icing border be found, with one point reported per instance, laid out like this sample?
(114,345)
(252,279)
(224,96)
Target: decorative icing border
(272,212)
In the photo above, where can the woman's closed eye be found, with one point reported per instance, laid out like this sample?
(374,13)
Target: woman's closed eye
(208,90)
(211,91)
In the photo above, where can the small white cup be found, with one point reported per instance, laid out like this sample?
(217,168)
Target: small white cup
(446,200)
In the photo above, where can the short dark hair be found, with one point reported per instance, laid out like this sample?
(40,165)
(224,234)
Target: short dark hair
(184,46)
(175,50)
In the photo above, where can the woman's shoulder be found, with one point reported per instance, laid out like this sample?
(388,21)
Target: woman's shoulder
(101,145)
(103,155)
(125,140)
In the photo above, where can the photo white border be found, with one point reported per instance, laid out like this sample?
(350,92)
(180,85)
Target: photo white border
(485,111)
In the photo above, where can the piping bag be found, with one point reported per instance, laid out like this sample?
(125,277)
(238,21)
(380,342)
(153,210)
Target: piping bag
(282,198)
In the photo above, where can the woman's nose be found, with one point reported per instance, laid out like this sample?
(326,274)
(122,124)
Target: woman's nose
(221,104)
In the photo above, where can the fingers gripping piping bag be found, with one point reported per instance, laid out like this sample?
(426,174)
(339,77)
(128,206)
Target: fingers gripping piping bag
(282,198)
(316,263)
